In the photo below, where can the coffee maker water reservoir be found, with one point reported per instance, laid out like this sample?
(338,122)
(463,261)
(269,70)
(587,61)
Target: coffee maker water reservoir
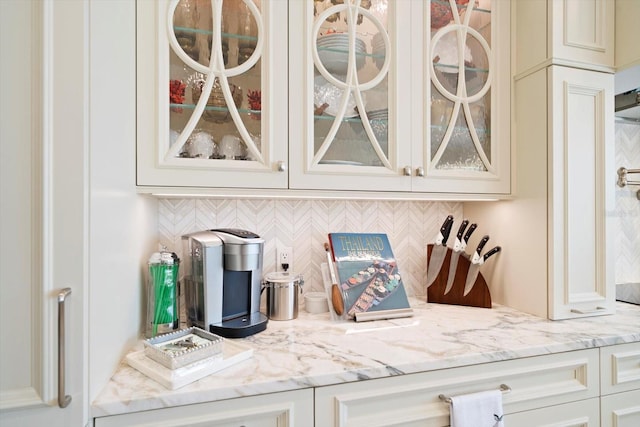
(222,281)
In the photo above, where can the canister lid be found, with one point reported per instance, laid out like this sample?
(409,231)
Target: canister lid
(283,277)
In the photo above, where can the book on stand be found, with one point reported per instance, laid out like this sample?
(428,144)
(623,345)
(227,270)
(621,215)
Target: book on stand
(368,276)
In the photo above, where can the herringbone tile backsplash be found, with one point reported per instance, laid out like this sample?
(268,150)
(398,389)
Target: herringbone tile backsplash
(627,240)
(304,225)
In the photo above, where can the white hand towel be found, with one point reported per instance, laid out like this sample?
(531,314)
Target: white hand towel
(483,409)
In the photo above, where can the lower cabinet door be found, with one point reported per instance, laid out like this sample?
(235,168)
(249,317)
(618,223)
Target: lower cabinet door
(621,409)
(288,409)
(583,413)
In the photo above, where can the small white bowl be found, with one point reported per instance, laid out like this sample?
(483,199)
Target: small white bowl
(316,302)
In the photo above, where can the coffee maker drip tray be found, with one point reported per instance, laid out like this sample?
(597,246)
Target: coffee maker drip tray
(240,327)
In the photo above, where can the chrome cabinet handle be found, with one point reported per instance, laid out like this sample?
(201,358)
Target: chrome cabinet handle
(503,388)
(593,310)
(282,166)
(63,399)
(406,171)
(420,171)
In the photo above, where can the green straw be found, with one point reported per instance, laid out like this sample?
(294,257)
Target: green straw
(165,304)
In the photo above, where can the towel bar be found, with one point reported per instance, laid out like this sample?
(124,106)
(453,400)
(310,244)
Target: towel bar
(622,177)
(503,388)
(623,181)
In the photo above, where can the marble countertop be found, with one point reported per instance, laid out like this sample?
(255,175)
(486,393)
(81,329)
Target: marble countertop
(313,350)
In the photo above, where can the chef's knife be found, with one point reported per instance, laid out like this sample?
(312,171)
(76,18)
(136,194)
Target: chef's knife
(458,247)
(439,250)
(474,259)
(474,269)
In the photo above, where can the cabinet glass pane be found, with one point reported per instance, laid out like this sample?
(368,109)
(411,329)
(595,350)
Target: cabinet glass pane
(460,118)
(215,84)
(351,102)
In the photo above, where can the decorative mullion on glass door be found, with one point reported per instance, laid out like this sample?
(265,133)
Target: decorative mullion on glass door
(351,52)
(215,45)
(461,77)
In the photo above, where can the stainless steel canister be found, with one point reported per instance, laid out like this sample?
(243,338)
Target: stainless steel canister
(282,295)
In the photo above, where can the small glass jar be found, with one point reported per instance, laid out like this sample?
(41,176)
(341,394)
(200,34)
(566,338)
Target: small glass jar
(163,305)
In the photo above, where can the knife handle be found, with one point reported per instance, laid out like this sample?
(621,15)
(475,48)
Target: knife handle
(458,245)
(471,229)
(476,255)
(491,252)
(446,229)
(463,227)
(443,235)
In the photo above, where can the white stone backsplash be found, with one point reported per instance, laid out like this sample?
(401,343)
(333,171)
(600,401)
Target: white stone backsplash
(304,224)
(627,210)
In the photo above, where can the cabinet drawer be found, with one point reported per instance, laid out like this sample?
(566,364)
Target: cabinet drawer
(413,399)
(583,413)
(293,408)
(621,410)
(620,367)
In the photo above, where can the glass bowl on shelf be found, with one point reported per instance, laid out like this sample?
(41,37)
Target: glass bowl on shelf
(220,111)
(326,93)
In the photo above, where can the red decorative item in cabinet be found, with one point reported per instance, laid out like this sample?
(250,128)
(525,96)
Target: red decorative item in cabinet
(176,94)
(441,13)
(255,102)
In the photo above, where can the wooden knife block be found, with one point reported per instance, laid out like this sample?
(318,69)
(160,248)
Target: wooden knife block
(479,295)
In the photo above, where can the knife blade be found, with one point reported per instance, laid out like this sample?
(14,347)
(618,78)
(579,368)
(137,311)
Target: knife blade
(458,247)
(439,250)
(474,269)
(453,262)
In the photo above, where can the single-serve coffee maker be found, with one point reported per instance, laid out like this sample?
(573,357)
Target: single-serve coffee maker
(222,281)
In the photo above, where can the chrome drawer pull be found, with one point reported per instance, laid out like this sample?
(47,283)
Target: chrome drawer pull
(593,310)
(63,399)
(503,388)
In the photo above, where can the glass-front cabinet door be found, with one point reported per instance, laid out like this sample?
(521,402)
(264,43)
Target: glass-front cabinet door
(466,91)
(400,96)
(349,126)
(212,77)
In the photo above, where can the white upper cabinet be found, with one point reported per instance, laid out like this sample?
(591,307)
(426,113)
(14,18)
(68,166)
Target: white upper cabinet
(577,33)
(463,93)
(406,97)
(627,53)
(350,110)
(432,81)
(234,53)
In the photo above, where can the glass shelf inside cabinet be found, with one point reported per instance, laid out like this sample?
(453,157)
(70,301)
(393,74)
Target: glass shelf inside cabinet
(460,85)
(350,42)
(215,80)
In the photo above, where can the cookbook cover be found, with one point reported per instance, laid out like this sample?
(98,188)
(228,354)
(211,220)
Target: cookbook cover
(368,273)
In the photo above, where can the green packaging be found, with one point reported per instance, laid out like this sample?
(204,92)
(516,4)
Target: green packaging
(163,305)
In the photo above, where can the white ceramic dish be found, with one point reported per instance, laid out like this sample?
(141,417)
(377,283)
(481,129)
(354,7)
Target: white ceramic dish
(316,302)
